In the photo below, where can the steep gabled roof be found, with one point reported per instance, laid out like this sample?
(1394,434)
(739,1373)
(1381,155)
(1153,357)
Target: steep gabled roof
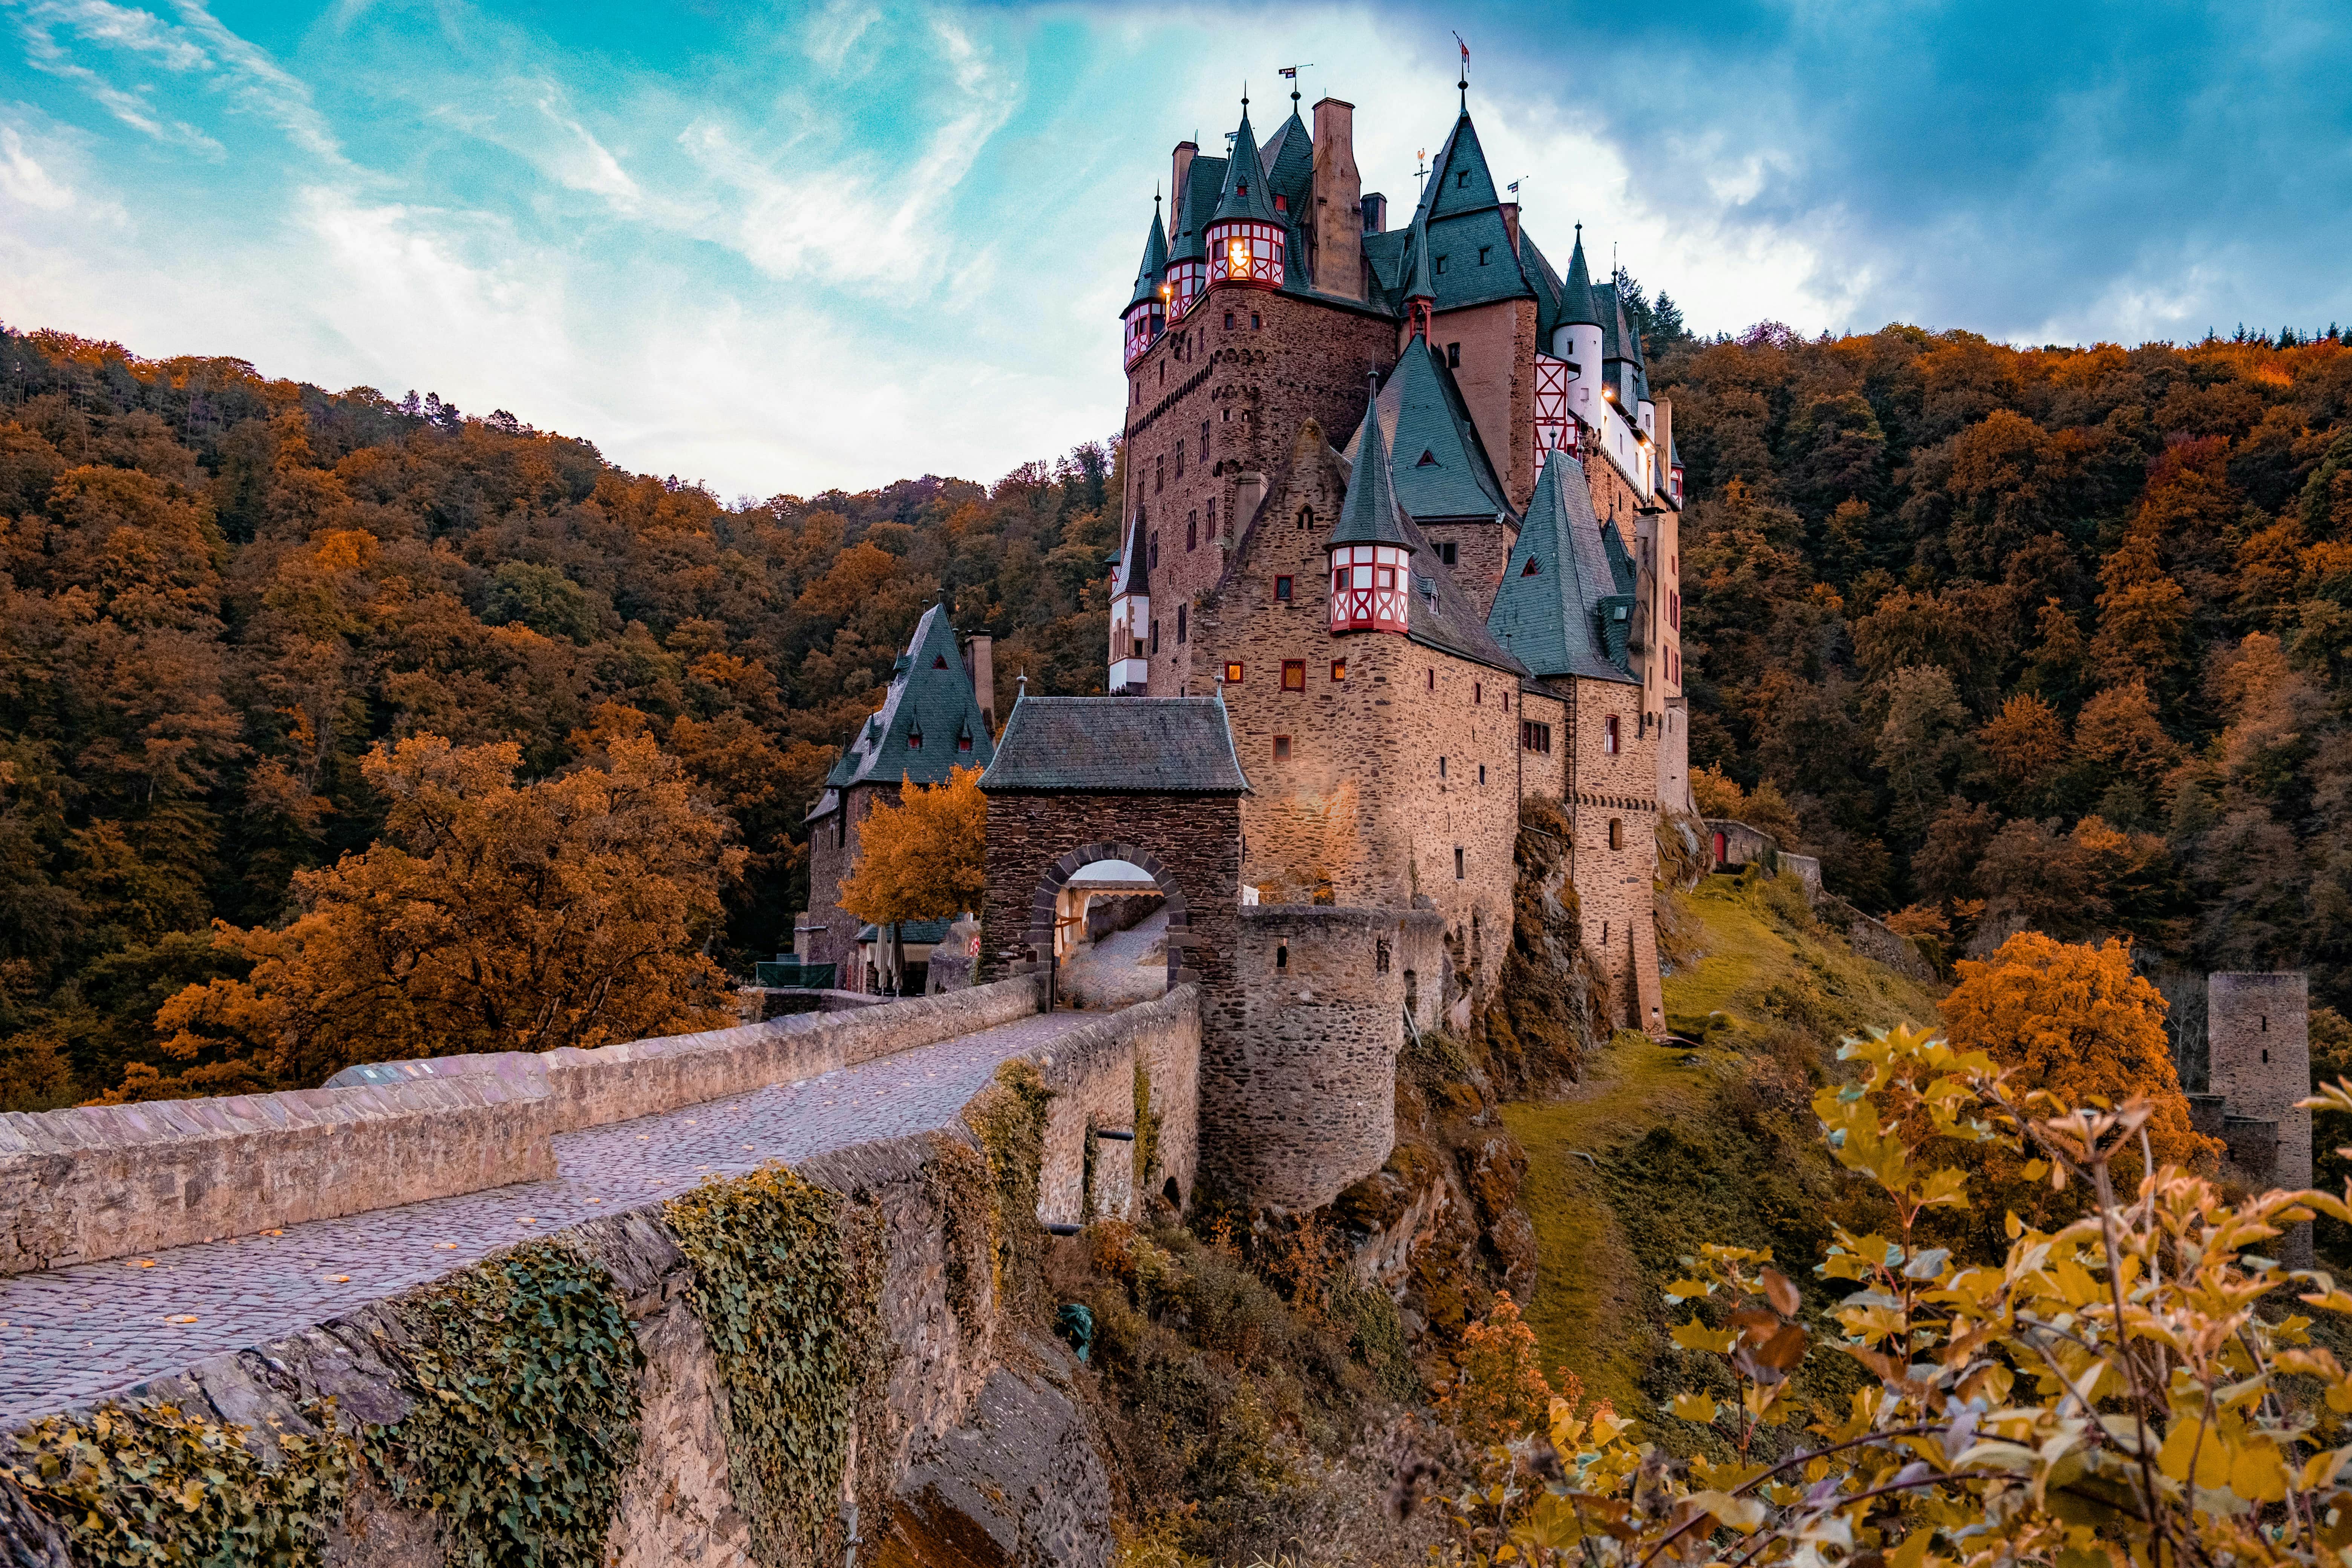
(929,694)
(1559,599)
(1368,514)
(1155,261)
(1460,183)
(1423,415)
(1117,745)
(1133,575)
(1290,160)
(1245,196)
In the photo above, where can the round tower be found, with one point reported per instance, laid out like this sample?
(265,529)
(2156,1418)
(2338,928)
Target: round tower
(2258,1029)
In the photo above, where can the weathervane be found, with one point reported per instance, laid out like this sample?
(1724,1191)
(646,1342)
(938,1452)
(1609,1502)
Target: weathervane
(1292,73)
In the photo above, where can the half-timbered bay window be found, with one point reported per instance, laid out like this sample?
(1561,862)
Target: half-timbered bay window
(1370,584)
(1187,280)
(1245,253)
(1145,323)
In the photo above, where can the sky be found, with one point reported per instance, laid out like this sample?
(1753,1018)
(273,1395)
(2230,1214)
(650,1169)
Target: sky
(779,249)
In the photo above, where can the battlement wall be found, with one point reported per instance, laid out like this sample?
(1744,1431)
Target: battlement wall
(99,1181)
(1308,1079)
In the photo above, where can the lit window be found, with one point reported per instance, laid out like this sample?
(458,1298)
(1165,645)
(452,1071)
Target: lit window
(1339,670)
(1282,590)
(1232,675)
(1293,674)
(1282,748)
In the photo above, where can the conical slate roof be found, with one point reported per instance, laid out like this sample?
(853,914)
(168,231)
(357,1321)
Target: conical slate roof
(1558,609)
(1246,198)
(1155,262)
(929,696)
(1369,515)
(1577,310)
(1195,206)
(1437,463)
(1134,574)
(1418,282)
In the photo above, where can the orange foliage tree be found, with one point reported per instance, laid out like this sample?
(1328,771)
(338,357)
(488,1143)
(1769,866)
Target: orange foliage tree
(924,859)
(492,915)
(1501,1392)
(2076,1021)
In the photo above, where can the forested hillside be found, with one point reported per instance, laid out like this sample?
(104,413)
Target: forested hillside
(220,590)
(2053,636)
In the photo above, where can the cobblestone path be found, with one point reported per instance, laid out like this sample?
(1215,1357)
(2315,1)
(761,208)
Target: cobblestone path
(70,1334)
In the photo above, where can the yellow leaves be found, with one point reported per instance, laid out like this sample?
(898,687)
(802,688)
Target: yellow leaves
(924,859)
(1687,1289)
(1696,1336)
(1696,1407)
(1742,1514)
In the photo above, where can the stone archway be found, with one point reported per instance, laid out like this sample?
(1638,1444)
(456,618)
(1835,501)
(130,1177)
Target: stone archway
(1044,903)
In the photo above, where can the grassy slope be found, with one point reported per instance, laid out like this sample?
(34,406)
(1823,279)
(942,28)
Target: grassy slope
(1689,1145)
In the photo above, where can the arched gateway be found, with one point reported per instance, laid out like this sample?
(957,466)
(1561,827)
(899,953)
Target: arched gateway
(1148,779)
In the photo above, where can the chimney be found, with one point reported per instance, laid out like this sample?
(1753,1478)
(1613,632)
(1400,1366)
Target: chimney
(1376,212)
(979,663)
(1339,193)
(1511,223)
(1183,166)
(1249,491)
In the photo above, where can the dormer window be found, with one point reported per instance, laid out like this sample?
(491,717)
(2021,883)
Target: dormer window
(1441,264)
(1485,251)
(939,661)
(1428,461)
(1282,203)
(1532,569)
(915,739)
(1462,179)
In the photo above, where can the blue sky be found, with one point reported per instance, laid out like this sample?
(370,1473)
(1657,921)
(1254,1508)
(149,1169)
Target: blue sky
(779,249)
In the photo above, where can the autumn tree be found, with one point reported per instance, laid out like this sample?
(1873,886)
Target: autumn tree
(494,914)
(924,859)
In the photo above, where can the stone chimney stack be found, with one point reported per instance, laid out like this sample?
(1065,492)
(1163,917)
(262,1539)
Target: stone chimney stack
(1177,218)
(1338,201)
(1249,492)
(1376,212)
(979,663)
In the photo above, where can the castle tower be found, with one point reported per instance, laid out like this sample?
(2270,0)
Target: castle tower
(1371,560)
(1147,308)
(2258,1029)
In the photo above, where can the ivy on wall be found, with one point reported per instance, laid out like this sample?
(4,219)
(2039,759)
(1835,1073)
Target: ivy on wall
(957,1178)
(1147,1131)
(153,1484)
(791,1311)
(524,1373)
(1009,1116)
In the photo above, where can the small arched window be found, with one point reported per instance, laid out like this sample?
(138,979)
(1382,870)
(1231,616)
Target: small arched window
(1306,518)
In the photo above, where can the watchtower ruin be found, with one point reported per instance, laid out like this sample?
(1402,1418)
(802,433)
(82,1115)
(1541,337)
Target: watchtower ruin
(2258,1028)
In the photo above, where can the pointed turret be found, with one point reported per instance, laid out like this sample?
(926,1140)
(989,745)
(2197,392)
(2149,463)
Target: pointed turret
(1147,309)
(1371,549)
(1246,236)
(1577,307)
(1130,614)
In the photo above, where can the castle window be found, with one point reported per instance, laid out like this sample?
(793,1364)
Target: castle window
(1204,440)
(1282,203)
(1339,670)
(1432,677)
(1450,552)
(1462,179)
(1616,833)
(1387,576)
(939,661)
(1507,702)
(1155,637)
(1535,736)
(1461,868)
(1477,694)
(1158,474)
(1441,767)
(1229,320)
(1454,356)
(1604,933)
(1282,748)
(1213,505)
(1293,674)
(1179,623)
(1441,264)
(1532,569)
(915,739)
(1306,518)
(1282,590)
(1282,957)
(1253,321)
(1380,956)
(1484,251)
(1482,773)
(1609,736)
(1152,553)
(963,739)
(1428,461)
(1179,460)
(1232,674)
(1192,530)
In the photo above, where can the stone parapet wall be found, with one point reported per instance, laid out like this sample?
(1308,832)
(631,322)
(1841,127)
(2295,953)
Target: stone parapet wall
(101,1181)
(1306,1086)
(1093,1075)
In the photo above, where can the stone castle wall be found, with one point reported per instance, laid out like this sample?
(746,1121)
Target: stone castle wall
(829,864)
(1092,1072)
(1313,1068)
(1249,390)
(1413,755)
(1496,375)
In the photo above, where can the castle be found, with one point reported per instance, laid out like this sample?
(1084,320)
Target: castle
(1399,553)
(1471,599)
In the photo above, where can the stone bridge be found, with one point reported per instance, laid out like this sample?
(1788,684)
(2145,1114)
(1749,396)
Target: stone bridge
(240,1258)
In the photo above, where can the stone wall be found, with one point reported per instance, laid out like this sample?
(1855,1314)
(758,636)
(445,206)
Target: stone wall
(1092,1072)
(972,1442)
(833,850)
(1612,797)
(1496,375)
(1248,389)
(1310,1080)
(2258,1032)
(101,1181)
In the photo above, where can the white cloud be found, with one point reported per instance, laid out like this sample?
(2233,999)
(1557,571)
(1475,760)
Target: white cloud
(24,180)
